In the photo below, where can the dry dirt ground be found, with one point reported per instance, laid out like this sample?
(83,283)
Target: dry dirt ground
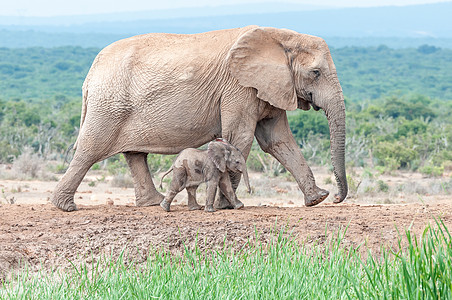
(34,232)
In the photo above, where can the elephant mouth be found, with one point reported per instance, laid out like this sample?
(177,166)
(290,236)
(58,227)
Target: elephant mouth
(311,101)
(305,102)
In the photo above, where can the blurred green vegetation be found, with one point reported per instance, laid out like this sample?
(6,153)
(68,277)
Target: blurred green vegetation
(390,133)
(398,103)
(41,73)
(365,72)
(374,72)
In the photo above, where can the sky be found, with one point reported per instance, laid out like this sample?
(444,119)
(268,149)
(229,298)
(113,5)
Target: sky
(48,8)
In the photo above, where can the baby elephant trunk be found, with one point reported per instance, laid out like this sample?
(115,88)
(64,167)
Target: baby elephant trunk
(247,180)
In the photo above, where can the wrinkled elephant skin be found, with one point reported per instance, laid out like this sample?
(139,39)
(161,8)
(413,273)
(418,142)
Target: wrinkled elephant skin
(193,167)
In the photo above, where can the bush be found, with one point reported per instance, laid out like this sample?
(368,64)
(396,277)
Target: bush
(260,161)
(353,185)
(409,109)
(61,168)
(447,165)
(433,171)
(117,165)
(394,155)
(382,186)
(303,123)
(122,181)
(28,165)
(159,162)
(411,127)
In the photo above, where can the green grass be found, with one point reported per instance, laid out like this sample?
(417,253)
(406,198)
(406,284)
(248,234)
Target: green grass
(280,269)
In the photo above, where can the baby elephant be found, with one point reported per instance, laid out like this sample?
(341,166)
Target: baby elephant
(193,167)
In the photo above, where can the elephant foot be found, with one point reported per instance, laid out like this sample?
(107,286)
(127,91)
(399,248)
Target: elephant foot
(194,207)
(165,205)
(239,205)
(65,202)
(316,198)
(223,203)
(153,200)
(209,208)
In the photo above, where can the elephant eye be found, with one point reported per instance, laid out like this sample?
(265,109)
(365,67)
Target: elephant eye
(316,73)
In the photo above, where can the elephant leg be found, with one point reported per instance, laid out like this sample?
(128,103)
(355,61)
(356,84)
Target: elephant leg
(241,137)
(211,191)
(222,201)
(63,195)
(274,137)
(192,204)
(229,192)
(145,191)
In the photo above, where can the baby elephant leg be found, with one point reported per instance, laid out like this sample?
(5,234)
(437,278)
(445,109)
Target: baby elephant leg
(177,185)
(228,191)
(211,191)
(192,204)
(166,203)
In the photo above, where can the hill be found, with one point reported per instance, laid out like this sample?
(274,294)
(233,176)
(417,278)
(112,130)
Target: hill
(427,24)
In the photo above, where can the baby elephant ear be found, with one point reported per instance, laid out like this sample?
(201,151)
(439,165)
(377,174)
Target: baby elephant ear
(217,153)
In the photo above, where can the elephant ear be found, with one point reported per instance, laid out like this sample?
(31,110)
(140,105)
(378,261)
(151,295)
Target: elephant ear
(217,153)
(258,59)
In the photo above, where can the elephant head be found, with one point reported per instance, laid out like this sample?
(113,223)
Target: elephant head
(290,70)
(227,157)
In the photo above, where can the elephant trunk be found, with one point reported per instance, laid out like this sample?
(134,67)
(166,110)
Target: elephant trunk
(335,113)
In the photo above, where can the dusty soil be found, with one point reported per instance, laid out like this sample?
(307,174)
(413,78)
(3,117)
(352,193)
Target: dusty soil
(32,231)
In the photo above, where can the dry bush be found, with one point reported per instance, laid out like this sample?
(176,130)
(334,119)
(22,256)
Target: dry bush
(29,165)
(122,181)
(438,187)
(366,187)
(412,187)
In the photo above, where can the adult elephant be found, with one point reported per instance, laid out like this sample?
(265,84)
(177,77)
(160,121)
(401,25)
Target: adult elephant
(162,93)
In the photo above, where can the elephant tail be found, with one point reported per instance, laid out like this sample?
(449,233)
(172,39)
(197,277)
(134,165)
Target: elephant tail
(83,114)
(163,176)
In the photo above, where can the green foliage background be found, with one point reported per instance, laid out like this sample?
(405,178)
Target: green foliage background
(398,102)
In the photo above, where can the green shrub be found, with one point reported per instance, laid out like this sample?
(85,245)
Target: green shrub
(253,161)
(117,165)
(411,127)
(430,170)
(160,162)
(382,186)
(394,155)
(303,123)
